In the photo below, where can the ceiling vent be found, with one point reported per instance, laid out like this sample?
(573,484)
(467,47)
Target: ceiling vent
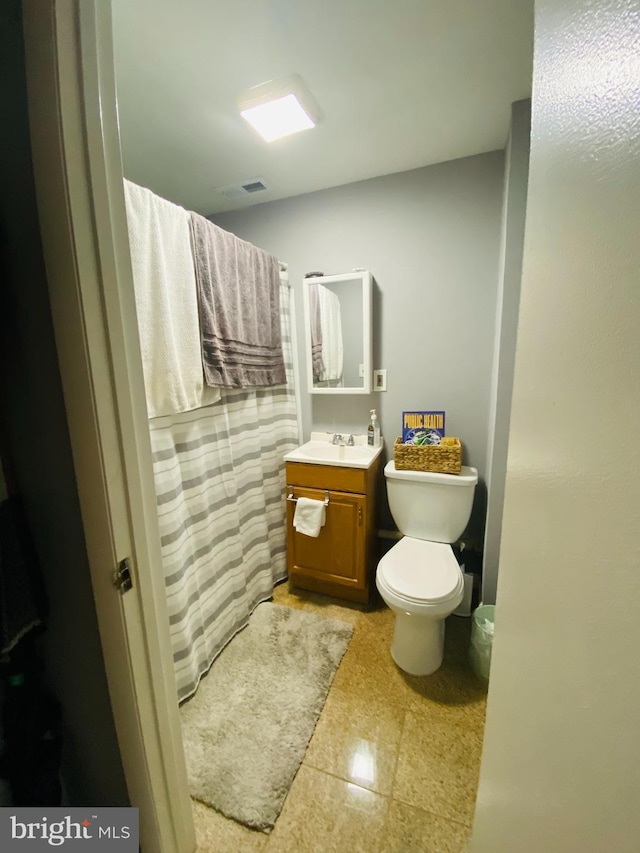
(254,186)
(239,191)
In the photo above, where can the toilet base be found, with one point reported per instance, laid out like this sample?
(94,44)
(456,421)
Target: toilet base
(418,643)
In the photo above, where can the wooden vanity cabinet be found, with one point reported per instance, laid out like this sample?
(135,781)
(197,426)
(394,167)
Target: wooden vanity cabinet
(341,561)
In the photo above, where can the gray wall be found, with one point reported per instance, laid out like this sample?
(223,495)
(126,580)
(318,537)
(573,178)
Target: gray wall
(35,432)
(431,239)
(508,303)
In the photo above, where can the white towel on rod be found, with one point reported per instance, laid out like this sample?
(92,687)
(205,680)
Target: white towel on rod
(309,516)
(331,323)
(166,304)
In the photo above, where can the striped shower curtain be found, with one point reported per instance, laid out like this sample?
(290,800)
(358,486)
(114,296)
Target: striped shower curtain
(220,489)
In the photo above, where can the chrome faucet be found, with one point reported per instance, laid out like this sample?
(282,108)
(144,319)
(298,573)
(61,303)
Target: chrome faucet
(340,440)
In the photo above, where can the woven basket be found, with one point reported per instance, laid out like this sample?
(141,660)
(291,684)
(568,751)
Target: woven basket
(445,458)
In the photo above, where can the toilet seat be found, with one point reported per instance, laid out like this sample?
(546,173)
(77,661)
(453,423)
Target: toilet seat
(421,572)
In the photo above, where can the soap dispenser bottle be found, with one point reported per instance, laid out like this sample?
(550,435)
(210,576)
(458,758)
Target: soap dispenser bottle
(373,430)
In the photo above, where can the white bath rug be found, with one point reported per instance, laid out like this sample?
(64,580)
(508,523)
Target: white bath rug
(247,728)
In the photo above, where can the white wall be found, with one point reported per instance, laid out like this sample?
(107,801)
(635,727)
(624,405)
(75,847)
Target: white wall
(561,763)
(516,174)
(431,239)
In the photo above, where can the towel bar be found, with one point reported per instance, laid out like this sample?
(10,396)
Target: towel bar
(294,500)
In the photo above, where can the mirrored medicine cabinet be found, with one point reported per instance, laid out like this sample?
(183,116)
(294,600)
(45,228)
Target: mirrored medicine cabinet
(337,322)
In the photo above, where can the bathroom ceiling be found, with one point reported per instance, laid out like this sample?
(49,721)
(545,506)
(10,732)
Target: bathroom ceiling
(401,83)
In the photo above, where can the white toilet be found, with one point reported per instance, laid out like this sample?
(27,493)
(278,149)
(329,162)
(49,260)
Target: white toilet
(419,578)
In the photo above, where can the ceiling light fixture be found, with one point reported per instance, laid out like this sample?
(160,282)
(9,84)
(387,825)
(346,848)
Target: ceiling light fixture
(279,108)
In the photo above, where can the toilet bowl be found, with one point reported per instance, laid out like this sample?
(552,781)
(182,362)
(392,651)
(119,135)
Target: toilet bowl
(419,579)
(422,583)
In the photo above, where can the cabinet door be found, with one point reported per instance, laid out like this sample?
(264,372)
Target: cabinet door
(334,562)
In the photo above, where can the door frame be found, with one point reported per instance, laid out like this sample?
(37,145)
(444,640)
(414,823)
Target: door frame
(78,176)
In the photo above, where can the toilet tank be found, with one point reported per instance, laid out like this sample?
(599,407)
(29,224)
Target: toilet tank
(435,507)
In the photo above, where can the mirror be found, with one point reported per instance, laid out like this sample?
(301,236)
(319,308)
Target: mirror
(337,320)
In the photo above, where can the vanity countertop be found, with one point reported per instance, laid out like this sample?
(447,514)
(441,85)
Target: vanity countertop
(321,451)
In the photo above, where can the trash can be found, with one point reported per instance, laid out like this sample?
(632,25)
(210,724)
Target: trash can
(482,625)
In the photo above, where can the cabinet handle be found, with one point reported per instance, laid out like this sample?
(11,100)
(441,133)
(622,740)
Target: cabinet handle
(359,516)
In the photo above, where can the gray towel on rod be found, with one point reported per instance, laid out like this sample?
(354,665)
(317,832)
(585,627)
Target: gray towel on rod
(239,306)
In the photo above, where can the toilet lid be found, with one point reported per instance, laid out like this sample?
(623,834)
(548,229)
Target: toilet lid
(418,570)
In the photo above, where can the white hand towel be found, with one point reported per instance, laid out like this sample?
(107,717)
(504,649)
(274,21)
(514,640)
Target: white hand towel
(309,516)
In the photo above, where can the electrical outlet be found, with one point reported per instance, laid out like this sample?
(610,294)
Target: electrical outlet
(379,380)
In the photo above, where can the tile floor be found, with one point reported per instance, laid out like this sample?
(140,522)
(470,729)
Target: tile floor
(392,766)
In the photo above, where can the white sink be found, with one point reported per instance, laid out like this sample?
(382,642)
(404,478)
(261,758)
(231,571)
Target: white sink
(323,452)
